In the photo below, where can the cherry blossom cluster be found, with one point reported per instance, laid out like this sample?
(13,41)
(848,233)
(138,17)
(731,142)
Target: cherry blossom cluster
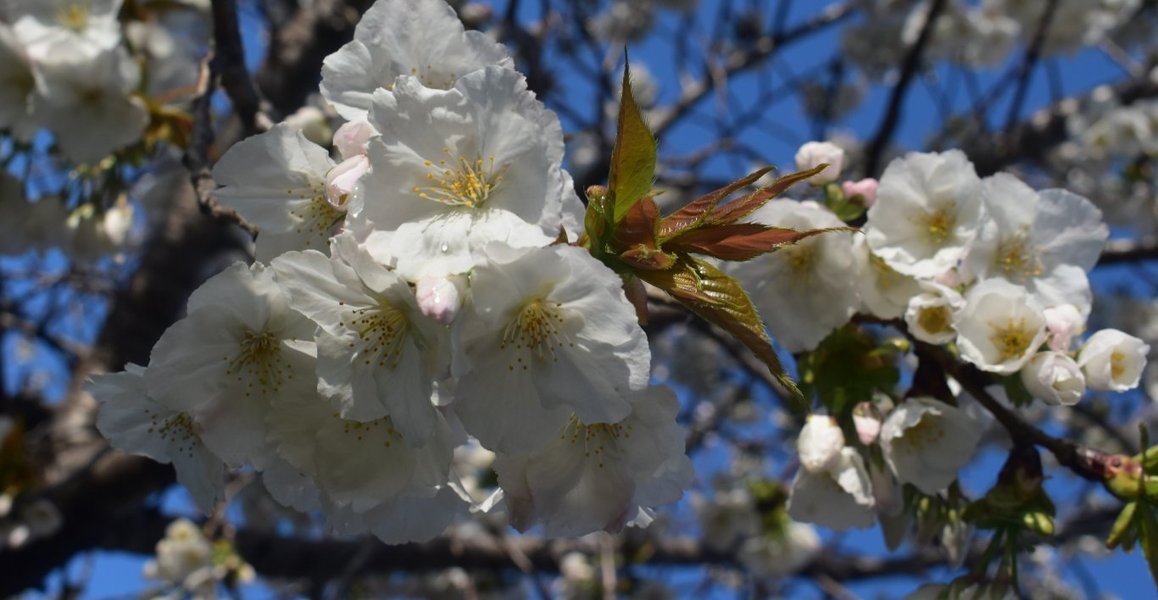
(98,76)
(73,67)
(412,293)
(990,268)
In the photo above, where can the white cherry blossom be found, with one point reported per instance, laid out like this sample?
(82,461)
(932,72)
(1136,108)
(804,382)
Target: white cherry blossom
(51,27)
(134,422)
(361,465)
(377,354)
(883,292)
(1000,327)
(930,314)
(1113,360)
(819,443)
(928,209)
(839,497)
(276,180)
(597,476)
(1054,378)
(1044,241)
(85,101)
(239,346)
(926,442)
(456,169)
(548,333)
(404,37)
(806,290)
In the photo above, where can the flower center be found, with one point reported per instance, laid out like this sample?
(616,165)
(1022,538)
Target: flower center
(259,362)
(927,432)
(382,329)
(377,429)
(1011,340)
(177,430)
(74,17)
(801,257)
(1117,365)
(938,225)
(317,217)
(597,438)
(934,319)
(1017,257)
(537,329)
(460,182)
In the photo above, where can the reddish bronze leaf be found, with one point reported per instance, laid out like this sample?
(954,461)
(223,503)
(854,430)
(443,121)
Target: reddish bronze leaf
(739,241)
(714,296)
(694,212)
(738,209)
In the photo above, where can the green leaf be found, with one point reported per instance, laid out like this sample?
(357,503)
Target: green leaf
(596,221)
(717,298)
(633,157)
(847,367)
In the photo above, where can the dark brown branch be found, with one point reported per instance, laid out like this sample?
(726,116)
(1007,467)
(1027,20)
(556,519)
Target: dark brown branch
(1084,462)
(909,69)
(228,64)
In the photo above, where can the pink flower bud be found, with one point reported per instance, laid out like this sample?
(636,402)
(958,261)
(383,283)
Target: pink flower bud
(865,188)
(1063,322)
(440,297)
(341,179)
(867,420)
(351,138)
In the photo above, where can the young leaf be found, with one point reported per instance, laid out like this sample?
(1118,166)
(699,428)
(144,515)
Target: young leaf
(739,241)
(742,207)
(633,157)
(695,211)
(717,298)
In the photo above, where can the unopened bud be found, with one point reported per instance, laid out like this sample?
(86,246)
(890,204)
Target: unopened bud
(865,188)
(814,154)
(440,298)
(342,179)
(819,443)
(352,137)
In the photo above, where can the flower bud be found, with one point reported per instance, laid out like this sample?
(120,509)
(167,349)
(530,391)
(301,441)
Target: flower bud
(1113,360)
(1054,378)
(351,138)
(812,154)
(867,420)
(341,179)
(865,188)
(1063,323)
(819,443)
(440,297)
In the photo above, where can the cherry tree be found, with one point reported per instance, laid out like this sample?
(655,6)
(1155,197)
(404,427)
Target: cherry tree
(452,298)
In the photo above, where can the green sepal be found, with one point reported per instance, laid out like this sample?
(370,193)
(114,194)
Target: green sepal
(1124,533)
(846,209)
